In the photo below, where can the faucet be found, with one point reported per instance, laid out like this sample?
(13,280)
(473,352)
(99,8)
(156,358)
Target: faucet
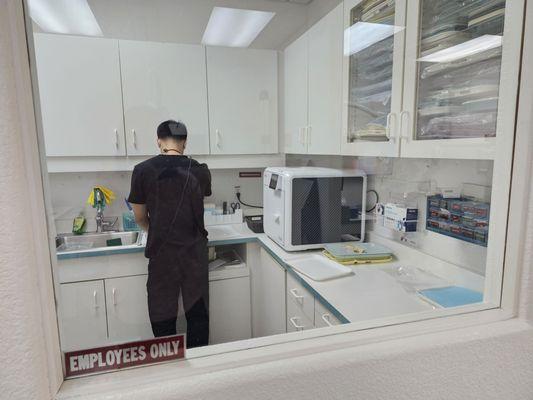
(103,224)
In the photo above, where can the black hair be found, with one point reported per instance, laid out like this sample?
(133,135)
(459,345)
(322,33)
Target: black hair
(173,129)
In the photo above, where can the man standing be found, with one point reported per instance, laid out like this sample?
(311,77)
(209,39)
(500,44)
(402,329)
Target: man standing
(167,196)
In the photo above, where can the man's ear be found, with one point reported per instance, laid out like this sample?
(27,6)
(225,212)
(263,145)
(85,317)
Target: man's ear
(159,143)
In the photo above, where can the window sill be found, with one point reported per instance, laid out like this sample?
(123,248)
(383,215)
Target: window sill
(148,381)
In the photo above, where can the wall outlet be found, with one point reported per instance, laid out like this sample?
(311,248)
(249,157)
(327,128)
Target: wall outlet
(237,190)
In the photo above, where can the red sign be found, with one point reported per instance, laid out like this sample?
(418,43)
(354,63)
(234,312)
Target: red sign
(124,355)
(250,174)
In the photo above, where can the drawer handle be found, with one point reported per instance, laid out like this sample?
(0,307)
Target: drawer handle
(95,296)
(116,137)
(295,324)
(113,292)
(326,319)
(297,296)
(219,139)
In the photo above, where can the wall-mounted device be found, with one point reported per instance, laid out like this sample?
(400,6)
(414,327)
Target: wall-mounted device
(307,207)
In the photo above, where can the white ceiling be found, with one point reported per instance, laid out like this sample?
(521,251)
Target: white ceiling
(184,21)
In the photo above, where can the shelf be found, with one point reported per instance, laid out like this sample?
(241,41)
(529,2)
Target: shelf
(101,164)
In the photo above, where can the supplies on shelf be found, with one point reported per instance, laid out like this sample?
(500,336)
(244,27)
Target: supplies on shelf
(462,218)
(458,96)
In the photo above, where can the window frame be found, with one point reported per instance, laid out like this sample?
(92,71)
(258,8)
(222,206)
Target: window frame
(276,347)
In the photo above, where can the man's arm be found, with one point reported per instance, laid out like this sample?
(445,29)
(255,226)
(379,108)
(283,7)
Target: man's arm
(141,215)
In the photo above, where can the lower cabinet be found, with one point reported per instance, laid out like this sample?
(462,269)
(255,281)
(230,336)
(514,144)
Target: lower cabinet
(101,312)
(297,320)
(83,315)
(229,310)
(127,309)
(323,317)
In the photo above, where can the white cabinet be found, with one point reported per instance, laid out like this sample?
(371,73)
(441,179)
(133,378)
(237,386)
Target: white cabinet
(460,103)
(163,81)
(297,320)
(325,84)
(268,295)
(296,93)
(313,88)
(243,100)
(373,77)
(127,309)
(83,315)
(323,317)
(229,310)
(80,93)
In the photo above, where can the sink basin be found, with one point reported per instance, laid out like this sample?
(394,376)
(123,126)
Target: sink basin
(87,241)
(221,232)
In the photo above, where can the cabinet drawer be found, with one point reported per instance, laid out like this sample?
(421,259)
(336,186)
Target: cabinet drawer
(323,317)
(301,297)
(296,319)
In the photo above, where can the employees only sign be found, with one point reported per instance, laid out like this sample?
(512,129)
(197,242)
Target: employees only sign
(124,355)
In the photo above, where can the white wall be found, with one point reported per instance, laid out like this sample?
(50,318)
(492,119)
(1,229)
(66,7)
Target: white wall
(69,192)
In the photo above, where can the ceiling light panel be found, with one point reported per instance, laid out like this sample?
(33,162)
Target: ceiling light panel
(64,16)
(234,27)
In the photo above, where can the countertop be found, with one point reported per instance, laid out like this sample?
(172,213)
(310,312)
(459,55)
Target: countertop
(373,291)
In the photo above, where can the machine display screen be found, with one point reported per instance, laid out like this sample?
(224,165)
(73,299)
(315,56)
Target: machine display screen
(273,181)
(326,210)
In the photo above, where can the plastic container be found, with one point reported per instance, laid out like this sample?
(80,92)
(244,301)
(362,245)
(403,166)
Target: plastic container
(128,222)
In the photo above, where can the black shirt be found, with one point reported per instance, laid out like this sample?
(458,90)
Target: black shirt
(173,189)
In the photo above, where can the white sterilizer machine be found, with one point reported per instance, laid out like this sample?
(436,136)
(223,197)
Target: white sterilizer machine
(307,207)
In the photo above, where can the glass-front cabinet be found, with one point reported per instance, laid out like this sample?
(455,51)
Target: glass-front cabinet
(373,73)
(461,77)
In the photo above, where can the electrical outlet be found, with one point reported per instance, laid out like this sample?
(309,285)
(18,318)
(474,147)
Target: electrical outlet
(237,189)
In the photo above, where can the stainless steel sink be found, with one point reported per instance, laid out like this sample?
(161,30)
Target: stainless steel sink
(71,242)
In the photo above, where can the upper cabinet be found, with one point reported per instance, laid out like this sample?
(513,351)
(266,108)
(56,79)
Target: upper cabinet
(296,65)
(462,66)
(243,100)
(81,97)
(325,84)
(373,76)
(163,81)
(313,88)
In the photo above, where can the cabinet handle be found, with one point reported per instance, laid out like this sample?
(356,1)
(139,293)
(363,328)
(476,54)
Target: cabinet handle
(391,125)
(95,296)
(219,139)
(295,324)
(116,137)
(297,296)
(134,138)
(114,297)
(326,319)
(302,135)
(406,134)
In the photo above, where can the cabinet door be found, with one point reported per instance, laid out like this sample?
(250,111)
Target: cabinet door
(163,81)
(323,317)
(462,66)
(373,76)
(83,315)
(127,309)
(229,310)
(296,319)
(268,296)
(80,93)
(296,95)
(243,100)
(325,84)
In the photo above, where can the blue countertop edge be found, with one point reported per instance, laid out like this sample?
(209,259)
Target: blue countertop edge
(288,268)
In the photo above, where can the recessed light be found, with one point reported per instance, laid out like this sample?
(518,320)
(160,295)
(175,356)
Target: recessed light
(64,16)
(234,27)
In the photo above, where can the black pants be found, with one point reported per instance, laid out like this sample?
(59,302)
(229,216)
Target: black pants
(180,270)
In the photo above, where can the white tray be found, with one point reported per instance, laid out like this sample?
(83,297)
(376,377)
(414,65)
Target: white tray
(319,268)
